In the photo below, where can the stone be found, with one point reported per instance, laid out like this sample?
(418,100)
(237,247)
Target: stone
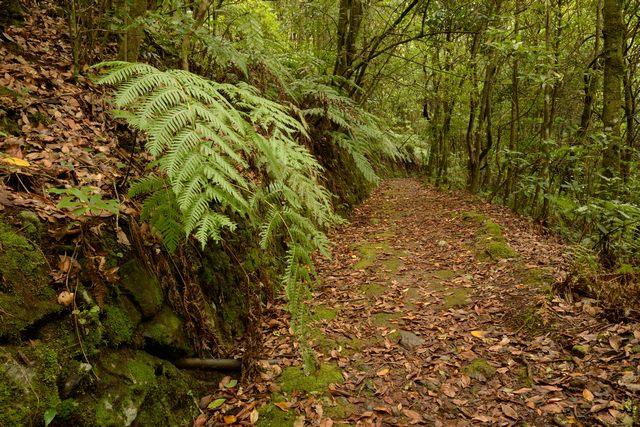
(25,295)
(409,340)
(143,286)
(165,334)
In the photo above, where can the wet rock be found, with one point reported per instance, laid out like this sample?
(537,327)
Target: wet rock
(143,286)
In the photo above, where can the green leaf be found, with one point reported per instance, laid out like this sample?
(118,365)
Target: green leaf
(216,403)
(231,384)
(49,415)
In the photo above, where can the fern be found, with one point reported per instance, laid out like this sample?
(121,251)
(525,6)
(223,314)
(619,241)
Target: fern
(223,153)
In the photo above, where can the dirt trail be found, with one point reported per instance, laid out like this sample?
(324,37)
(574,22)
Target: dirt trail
(437,309)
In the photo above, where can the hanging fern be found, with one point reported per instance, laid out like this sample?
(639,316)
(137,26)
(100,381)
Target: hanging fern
(222,153)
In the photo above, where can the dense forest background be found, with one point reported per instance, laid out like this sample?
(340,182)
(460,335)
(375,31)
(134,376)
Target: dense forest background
(170,168)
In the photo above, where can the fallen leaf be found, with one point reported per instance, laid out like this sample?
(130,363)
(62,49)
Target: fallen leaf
(253,416)
(14,161)
(382,372)
(230,419)
(509,411)
(479,334)
(588,396)
(216,403)
(414,417)
(283,405)
(299,422)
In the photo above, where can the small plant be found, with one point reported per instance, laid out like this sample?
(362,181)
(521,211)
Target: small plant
(84,201)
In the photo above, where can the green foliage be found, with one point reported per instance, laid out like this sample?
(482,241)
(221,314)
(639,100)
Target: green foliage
(83,201)
(223,153)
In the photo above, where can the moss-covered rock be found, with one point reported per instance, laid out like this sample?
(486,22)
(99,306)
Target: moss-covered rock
(133,387)
(28,387)
(118,326)
(458,297)
(165,334)
(25,295)
(143,286)
(30,224)
(480,369)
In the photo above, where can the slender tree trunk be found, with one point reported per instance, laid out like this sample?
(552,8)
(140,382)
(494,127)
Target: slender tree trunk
(349,22)
(514,125)
(613,29)
(131,39)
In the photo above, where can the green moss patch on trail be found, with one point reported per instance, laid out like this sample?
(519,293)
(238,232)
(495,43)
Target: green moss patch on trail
(490,243)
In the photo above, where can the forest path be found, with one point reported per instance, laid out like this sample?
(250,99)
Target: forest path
(436,309)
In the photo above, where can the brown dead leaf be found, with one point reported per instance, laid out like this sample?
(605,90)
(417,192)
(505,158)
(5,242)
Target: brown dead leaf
(283,405)
(414,417)
(253,416)
(65,298)
(588,396)
(230,419)
(383,372)
(508,411)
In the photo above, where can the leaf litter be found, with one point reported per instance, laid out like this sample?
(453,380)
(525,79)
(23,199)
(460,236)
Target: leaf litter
(503,355)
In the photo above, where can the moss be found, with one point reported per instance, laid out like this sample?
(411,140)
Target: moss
(369,253)
(66,408)
(293,378)
(443,274)
(143,286)
(458,298)
(118,326)
(26,391)
(392,264)
(499,250)
(30,224)
(490,242)
(272,416)
(166,330)
(523,377)
(372,289)
(385,319)
(479,369)
(340,410)
(25,295)
(322,312)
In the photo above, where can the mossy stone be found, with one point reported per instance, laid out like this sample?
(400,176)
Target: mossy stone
(27,390)
(134,388)
(165,332)
(30,224)
(143,286)
(458,298)
(480,369)
(25,295)
(118,326)
(294,378)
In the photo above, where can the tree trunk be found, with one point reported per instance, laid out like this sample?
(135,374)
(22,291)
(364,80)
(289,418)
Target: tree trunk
(131,38)
(349,21)
(613,29)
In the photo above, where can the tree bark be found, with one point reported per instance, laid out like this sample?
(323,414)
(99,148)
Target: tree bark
(613,29)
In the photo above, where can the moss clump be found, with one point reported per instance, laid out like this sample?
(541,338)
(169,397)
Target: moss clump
(272,416)
(458,298)
(340,410)
(372,289)
(25,295)
(385,319)
(118,326)
(166,330)
(322,312)
(491,244)
(369,253)
(143,287)
(26,391)
(293,378)
(480,369)
(443,274)
(523,377)
(30,224)
(392,264)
